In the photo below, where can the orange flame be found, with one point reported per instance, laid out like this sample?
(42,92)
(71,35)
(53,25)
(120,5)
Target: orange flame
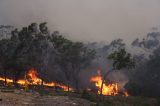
(126,94)
(7,80)
(33,79)
(110,89)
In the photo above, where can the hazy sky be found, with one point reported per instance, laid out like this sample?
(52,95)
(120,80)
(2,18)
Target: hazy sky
(98,20)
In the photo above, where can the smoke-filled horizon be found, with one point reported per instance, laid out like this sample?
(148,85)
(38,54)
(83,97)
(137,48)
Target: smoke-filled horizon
(86,20)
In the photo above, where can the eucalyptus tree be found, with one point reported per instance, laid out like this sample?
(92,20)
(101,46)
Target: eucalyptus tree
(120,60)
(4,56)
(7,52)
(34,47)
(72,57)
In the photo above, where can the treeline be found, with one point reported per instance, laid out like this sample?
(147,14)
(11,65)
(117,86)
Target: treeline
(55,57)
(146,77)
(59,59)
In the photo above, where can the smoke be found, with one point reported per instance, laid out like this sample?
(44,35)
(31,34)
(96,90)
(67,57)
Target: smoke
(86,20)
(119,77)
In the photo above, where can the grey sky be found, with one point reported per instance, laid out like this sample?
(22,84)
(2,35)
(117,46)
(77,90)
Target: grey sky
(98,20)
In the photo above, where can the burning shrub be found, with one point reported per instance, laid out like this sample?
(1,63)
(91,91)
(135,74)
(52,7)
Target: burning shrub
(111,89)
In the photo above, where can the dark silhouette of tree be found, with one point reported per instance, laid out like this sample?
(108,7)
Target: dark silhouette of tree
(72,57)
(121,60)
(35,47)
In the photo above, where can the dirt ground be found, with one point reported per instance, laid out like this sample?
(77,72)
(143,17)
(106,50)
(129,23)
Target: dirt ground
(21,98)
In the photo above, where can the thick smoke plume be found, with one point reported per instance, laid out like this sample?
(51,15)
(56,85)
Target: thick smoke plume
(86,20)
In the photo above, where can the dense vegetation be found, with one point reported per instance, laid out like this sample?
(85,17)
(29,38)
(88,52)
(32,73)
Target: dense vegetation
(55,57)
(59,59)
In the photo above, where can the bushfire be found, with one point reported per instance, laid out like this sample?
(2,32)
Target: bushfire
(31,78)
(108,90)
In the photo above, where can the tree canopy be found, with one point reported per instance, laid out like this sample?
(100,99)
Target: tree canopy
(35,47)
(122,59)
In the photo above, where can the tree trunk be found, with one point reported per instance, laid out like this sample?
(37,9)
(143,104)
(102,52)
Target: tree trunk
(68,86)
(55,86)
(14,80)
(77,80)
(77,85)
(76,70)
(5,77)
(103,80)
(42,83)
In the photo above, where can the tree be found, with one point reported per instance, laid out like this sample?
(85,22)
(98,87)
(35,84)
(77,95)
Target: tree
(145,79)
(80,57)
(121,60)
(72,57)
(35,47)
(4,58)
(7,52)
(30,47)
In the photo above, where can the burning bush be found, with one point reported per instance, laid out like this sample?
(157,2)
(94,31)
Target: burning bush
(111,89)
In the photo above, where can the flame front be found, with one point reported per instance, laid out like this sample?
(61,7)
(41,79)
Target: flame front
(111,89)
(7,80)
(31,78)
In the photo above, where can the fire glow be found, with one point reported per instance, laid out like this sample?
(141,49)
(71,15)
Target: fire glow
(32,79)
(108,90)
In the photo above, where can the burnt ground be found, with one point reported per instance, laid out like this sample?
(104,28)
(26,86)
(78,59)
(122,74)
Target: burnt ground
(22,98)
